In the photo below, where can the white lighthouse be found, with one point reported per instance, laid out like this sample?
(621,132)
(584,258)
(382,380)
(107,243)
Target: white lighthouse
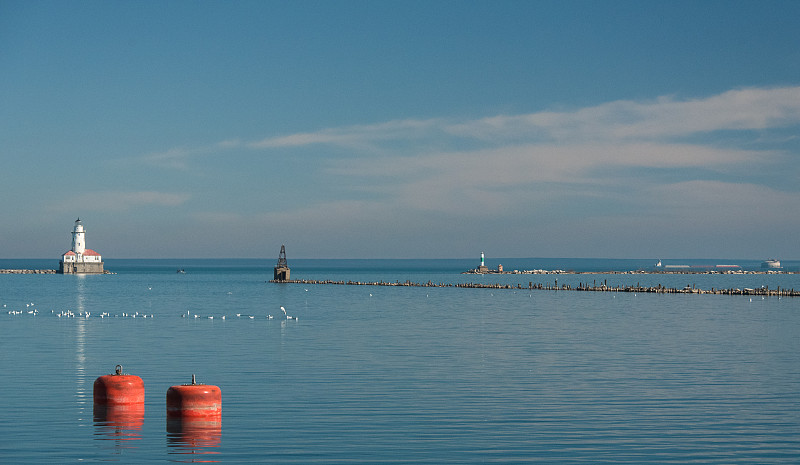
(79,259)
(78,238)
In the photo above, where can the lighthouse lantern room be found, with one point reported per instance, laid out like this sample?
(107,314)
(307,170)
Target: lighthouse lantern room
(79,259)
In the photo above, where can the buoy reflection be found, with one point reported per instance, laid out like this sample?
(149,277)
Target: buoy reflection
(194,436)
(119,422)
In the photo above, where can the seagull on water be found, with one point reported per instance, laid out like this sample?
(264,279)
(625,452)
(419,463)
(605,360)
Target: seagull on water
(288,317)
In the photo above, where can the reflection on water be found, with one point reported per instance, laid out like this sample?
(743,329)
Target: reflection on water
(119,422)
(80,348)
(194,437)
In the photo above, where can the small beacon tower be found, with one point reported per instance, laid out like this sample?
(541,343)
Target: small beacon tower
(483,268)
(282,269)
(79,259)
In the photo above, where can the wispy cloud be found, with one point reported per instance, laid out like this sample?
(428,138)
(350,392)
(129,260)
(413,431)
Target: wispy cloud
(353,136)
(526,163)
(628,126)
(618,122)
(665,117)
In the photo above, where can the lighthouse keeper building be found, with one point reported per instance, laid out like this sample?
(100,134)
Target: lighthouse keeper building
(79,259)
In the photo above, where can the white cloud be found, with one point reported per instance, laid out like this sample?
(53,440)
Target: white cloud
(609,164)
(628,125)
(175,158)
(664,117)
(352,136)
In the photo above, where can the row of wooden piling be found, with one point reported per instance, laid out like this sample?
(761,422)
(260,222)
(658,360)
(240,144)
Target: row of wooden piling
(8,271)
(658,289)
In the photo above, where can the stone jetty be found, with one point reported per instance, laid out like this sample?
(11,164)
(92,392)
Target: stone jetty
(679,271)
(6,271)
(659,289)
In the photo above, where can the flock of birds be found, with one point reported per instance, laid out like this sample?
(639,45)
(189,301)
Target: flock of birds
(30,309)
(189,314)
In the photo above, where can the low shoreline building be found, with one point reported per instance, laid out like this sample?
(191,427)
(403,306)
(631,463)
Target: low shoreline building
(79,259)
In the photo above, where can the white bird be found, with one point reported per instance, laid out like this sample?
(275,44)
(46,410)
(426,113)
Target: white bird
(287,315)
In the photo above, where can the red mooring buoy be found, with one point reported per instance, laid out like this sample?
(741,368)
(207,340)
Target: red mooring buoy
(118,389)
(194,402)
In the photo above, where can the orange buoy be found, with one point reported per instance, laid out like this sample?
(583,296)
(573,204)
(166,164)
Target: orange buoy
(118,389)
(194,401)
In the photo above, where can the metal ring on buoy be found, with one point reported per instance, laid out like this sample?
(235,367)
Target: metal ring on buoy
(118,389)
(194,401)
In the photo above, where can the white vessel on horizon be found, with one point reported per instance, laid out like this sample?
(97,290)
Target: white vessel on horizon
(771,263)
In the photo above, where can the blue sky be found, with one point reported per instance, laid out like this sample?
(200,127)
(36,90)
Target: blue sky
(620,129)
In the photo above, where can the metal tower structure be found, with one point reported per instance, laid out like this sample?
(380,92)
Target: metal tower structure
(282,268)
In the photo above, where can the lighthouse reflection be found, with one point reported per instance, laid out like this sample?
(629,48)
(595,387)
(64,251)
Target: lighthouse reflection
(192,436)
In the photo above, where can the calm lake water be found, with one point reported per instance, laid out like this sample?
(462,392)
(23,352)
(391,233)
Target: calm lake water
(372,374)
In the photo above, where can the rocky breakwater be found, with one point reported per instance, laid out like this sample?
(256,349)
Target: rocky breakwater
(6,271)
(659,289)
(679,271)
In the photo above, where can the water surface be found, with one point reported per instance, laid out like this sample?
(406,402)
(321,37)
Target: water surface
(373,374)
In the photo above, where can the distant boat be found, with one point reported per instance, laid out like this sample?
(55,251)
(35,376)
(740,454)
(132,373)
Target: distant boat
(181,271)
(658,265)
(771,263)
